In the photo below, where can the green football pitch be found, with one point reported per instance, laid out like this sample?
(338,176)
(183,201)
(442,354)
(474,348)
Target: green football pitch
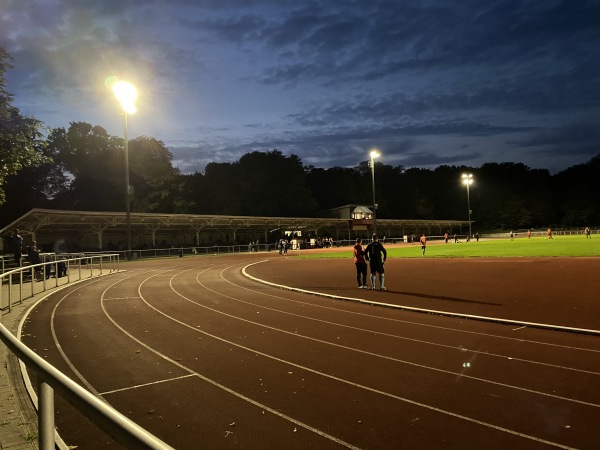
(520,247)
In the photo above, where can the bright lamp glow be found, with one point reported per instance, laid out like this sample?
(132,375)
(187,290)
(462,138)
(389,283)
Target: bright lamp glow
(467,179)
(375,154)
(126,93)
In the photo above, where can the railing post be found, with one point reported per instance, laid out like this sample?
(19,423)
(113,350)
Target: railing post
(32,282)
(10,293)
(46,439)
(45,272)
(20,286)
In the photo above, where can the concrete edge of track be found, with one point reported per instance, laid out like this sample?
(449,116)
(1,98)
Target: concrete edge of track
(420,310)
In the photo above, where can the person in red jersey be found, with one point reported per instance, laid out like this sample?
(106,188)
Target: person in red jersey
(361,264)
(423,241)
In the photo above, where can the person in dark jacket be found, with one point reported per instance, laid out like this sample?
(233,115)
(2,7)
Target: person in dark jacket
(17,246)
(376,254)
(33,255)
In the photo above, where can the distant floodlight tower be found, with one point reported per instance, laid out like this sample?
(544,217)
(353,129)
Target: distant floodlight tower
(467,180)
(126,93)
(374,154)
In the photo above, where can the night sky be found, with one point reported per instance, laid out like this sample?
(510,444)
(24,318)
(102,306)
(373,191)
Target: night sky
(427,82)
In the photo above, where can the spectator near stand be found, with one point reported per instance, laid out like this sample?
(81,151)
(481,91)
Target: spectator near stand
(16,242)
(33,254)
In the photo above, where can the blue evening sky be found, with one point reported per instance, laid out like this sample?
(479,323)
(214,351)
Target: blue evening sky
(427,82)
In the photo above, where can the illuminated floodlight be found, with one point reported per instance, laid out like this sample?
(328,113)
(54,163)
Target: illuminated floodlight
(127,94)
(467,180)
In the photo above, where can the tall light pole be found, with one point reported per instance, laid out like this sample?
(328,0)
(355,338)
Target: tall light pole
(374,154)
(126,93)
(467,180)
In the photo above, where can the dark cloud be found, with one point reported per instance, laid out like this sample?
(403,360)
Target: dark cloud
(579,141)
(427,82)
(583,134)
(433,159)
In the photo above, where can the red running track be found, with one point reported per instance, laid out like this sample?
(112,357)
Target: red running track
(206,358)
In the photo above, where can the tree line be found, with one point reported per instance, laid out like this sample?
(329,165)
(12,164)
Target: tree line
(82,168)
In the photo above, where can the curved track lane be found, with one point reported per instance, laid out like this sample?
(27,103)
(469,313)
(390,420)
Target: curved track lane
(205,358)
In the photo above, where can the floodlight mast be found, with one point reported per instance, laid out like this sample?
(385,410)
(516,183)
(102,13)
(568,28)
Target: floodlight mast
(126,94)
(467,180)
(374,154)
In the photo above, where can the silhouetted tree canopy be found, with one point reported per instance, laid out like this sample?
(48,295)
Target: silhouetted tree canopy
(87,173)
(21,142)
(82,168)
(259,184)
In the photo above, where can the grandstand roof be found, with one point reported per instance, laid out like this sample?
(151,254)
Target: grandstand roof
(49,222)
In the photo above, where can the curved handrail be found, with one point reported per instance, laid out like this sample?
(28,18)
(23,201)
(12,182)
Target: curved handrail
(55,263)
(122,429)
(119,427)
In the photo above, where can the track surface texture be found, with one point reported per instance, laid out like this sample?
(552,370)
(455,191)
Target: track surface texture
(207,358)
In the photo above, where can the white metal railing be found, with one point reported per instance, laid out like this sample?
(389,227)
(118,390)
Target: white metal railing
(119,427)
(122,429)
(25,282)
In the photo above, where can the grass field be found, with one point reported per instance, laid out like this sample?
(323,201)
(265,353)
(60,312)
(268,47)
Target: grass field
(534,247)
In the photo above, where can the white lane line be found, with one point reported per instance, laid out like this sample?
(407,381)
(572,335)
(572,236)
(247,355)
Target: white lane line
(67,360)
(364,352)
(354,300)
(394,336)
(148,384)
(332,377)
(220,386)
(423,310)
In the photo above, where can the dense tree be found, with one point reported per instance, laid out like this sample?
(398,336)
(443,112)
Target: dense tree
(577,193)
(511,195)
(504,196)
(391,190)
(339,186)
(93,162)
(259,184)
(33,187)
(21,139)
(192,192)
(156,182)
(219,193)
(273,184)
